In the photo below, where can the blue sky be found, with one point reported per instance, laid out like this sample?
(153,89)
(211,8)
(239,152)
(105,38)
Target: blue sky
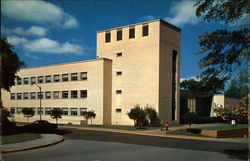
(49,32)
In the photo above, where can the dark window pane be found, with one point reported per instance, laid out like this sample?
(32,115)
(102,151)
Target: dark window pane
(84,93)
(145,30)
(131,32)
(107,37)
(119,35)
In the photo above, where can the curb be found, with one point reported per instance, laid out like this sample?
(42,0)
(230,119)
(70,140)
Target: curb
(167,136)
(32,147)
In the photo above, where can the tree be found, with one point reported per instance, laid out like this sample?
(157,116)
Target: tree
(89,115)
(238,87)
(212,85)
(151,115)
(225,50)
(28,112)
(56,113)
(10,64)
(136,113)
(190,118)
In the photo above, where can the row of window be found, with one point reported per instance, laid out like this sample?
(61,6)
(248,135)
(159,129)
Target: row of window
(145,32)
(49,79)
(50,94)
(46,110)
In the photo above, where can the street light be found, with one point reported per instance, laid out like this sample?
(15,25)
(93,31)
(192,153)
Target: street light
(40,92)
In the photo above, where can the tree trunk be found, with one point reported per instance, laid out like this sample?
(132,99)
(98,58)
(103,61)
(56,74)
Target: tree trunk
(91,121)
(27,119)
(56,121)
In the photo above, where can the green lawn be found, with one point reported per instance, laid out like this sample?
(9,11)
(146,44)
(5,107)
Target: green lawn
(184,132)
(19,138)
(225,127)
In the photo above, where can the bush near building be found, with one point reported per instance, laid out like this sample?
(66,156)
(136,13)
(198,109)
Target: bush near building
(238,112)
(190,118)
(90,115)
(56,113)
(144,116)
(28,112)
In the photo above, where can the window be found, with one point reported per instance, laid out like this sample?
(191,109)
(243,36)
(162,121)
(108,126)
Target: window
(19,81)
(12,110)
(84,76)
(38,110)
(33,80)
(73,94)
(118,54)
(132,32)
(73,111)
(65,111)
(12,96)
(40,95)
(145,30)
(40,79)
(119,34)
(118,91)
(56,94)
(65,77)
(47,110)
(74,77)
(48,78)
(65,94)
(107,36)
(18,110)
(25,95)
(56,78)
(119,73)
(33,95)
(48,95)
(34,109)
(26,80)
(118,110)
(19,96)
(83,111)
(84,93)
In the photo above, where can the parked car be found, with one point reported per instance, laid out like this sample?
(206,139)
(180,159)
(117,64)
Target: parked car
(40,126)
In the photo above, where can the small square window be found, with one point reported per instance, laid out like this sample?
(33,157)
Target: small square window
(26,80)
(57,78)
(73,94)
(39,110)
(107,37)
(118,91)
(65,77)
(84,75)
(56,94)
(65,94)
(83,111)
(118,110)
(19,96)
(73,111)
(48,78)
(47,95)
(65,111)
(47,111)
(118,54)
(119,73)
(119,34)
(18,110)
(40,95)
(33,95)
(40,79)
(145,30)
(25,95)
(19,81)
(12,96)
(132,32)
(84,93)
(74,77)
(12,110)
(33,80)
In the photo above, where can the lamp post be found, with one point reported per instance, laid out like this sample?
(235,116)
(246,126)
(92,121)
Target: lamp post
(40,92)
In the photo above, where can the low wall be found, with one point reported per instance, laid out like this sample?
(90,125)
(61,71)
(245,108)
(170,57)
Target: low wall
(232,133)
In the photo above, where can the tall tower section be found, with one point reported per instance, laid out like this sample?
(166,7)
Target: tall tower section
(145,69)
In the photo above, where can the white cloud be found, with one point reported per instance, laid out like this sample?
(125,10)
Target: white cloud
(183,13)
(45,45)
(32,56)
(192,77)
(38,11)
(14,40)
(32,31)
(149,17)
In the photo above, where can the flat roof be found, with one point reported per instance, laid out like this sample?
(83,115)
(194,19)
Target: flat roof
(66,63)
(162,21)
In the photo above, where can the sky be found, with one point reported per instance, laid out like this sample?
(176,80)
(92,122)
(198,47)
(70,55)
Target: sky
(49,32)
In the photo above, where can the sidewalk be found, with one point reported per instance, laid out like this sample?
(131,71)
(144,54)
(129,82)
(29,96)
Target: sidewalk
(45,140)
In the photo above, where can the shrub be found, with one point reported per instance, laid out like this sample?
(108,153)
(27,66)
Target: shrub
(28,112)
(207,119)
(56,113)
(190,118)
(89,115)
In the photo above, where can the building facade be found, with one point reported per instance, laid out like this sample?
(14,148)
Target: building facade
(135,64)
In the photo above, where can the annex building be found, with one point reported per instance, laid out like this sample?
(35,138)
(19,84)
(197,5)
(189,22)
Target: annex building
(135,64)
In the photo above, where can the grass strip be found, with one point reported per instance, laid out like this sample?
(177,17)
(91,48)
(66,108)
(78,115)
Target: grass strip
(9,139)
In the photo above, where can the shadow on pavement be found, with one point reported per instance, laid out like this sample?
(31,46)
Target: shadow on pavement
(237,154)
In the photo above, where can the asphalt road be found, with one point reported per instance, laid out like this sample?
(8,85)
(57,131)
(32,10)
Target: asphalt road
(84,145)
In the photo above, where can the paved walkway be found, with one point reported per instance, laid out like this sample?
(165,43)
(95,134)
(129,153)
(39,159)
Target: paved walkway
(45,140)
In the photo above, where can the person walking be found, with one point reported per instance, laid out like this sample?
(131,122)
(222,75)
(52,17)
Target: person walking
(162,124)
(167,125)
